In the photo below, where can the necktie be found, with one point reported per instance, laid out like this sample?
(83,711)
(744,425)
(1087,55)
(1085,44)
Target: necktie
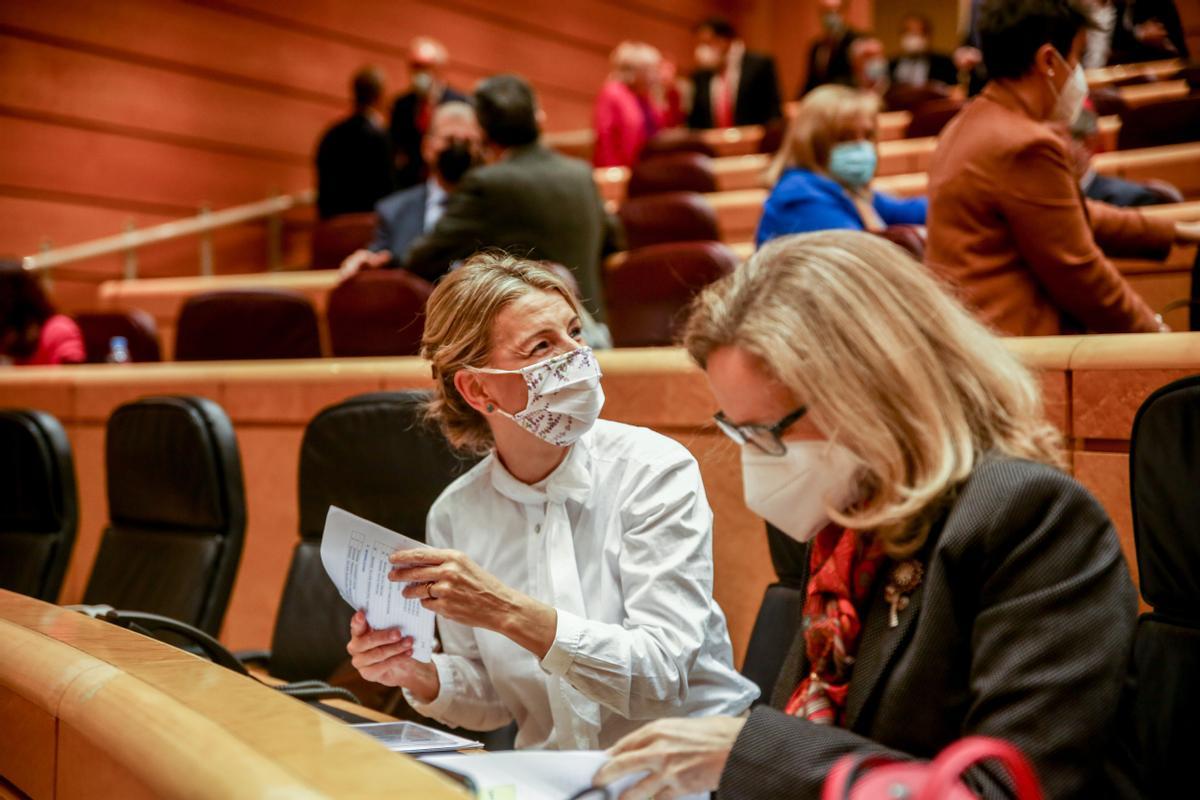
(723,111)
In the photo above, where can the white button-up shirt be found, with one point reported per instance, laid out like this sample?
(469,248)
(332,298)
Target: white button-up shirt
(623,529)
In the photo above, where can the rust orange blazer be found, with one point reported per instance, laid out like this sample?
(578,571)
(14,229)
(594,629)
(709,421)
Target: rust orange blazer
(1009,229)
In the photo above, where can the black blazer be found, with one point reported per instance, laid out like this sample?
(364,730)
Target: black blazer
(757,100)
(837,66)
(534,202)
(1021,629)
(941,67)
(354,167)
(406,137)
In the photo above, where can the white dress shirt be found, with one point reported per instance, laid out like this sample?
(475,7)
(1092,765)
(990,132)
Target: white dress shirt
(435,203)
(619,540)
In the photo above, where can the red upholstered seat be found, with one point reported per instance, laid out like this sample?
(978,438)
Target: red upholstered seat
(676,140)
(138,328)
(930,117)
(649,290)
(668,217)
(910,237)
(672,172)
(378,313)
(335,238)
(247,324)
(1155,124)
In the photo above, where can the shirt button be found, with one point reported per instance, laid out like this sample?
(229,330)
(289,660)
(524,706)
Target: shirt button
(537,528)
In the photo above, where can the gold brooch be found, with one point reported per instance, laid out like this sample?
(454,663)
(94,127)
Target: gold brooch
(905,578)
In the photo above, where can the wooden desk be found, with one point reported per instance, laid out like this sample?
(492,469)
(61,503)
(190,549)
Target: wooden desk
(1144,94)
(1105,76)
(89,710)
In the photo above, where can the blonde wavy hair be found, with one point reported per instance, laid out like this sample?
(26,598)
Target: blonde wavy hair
(890,366)
(824,115)
(459,321)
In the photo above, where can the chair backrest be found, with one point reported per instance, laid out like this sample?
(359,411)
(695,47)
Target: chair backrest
(649,290)
(903,97)
(247,324)
(375,456)
(672,172)
(1156,124)
(675,140)
(1164,470)
(39,510)
(930,117)
(337,237)
(910,237)
(177,511)
(379,312)
(668,217)
(137,326)
(774,629)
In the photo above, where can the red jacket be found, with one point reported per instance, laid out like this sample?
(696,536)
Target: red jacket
(620,124)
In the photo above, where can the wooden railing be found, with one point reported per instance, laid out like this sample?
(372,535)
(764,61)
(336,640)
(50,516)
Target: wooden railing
(202,225)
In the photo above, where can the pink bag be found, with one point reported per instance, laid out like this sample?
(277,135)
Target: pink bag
(878,777)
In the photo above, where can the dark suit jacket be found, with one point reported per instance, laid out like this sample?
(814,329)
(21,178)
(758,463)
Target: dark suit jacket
(941,68)
(757,101)
(406,137)
(354,167)
(1125,46)
(837,66)
(534,202)
(400,220)
(1021,628)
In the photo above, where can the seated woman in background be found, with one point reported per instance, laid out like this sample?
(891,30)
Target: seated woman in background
(959,582)
(626,114)
(31,331)
(572,572)
(822,174)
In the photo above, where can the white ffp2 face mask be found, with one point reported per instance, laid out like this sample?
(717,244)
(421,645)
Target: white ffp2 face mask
(793,491)
(565,396)
(1071,97)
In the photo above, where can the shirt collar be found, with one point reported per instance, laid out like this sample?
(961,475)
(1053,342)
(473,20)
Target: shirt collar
(570,480)
(436,195)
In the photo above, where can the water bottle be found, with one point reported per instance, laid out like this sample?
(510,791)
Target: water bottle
(118,351)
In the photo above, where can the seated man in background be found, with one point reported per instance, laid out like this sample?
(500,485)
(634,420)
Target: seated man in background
(626,114)
(870,65)
(918,65)
(731,85)
(829,56)
(1085,139)
(451,147)
(528,200)
(412,112)
(354,160)
(1146,30)
(1007,224)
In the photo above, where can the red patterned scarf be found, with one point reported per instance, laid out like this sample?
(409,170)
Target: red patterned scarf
(843,565)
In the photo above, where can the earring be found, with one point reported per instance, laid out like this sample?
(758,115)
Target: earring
(490,408)
(1050,73)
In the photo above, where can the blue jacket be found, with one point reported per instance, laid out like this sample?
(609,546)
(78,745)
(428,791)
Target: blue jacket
(804,201)
(400,220)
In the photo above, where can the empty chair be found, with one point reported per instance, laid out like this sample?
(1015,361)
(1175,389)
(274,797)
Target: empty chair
(136,326)
(39,510)
(668,217)
(377,313)
(672,172)
(930,117)
(1164,469)
(177,511)
(337,237)
(374,456)
(676,140)
(1168,122)
(247,324)
(648,291)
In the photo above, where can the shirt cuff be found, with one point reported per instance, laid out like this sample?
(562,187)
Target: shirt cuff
(568,637)
(447,690)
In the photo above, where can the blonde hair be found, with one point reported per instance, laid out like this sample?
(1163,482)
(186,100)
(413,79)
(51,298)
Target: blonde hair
(459,321)
(824,114)
(891,367)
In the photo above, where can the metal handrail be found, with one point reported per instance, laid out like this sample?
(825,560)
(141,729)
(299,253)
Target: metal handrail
(203,225)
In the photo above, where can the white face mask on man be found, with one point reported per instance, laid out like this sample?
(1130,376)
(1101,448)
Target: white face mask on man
(1071,97)
(565,396)
(793,491)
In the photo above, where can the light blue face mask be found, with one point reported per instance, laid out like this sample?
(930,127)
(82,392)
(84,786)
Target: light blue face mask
(852,164)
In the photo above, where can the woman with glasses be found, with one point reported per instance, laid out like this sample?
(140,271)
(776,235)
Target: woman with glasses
(572,566)
(958,581)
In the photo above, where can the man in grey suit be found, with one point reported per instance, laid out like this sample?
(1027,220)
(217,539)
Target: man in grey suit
(450,148)
(527,200)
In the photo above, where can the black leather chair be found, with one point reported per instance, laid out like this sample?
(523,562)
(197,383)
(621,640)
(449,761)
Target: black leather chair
(39,511)
(1164,470)
(232,324)
(374,456)
(137,326)
(177,511)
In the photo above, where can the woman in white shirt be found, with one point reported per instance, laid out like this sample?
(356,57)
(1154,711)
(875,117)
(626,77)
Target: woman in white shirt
(572,567)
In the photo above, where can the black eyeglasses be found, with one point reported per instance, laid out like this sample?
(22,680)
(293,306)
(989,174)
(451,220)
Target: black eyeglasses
(767,438)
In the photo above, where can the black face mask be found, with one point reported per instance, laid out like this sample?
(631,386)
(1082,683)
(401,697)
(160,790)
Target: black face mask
(454,160)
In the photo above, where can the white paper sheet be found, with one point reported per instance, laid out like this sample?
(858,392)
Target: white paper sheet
(354,552)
